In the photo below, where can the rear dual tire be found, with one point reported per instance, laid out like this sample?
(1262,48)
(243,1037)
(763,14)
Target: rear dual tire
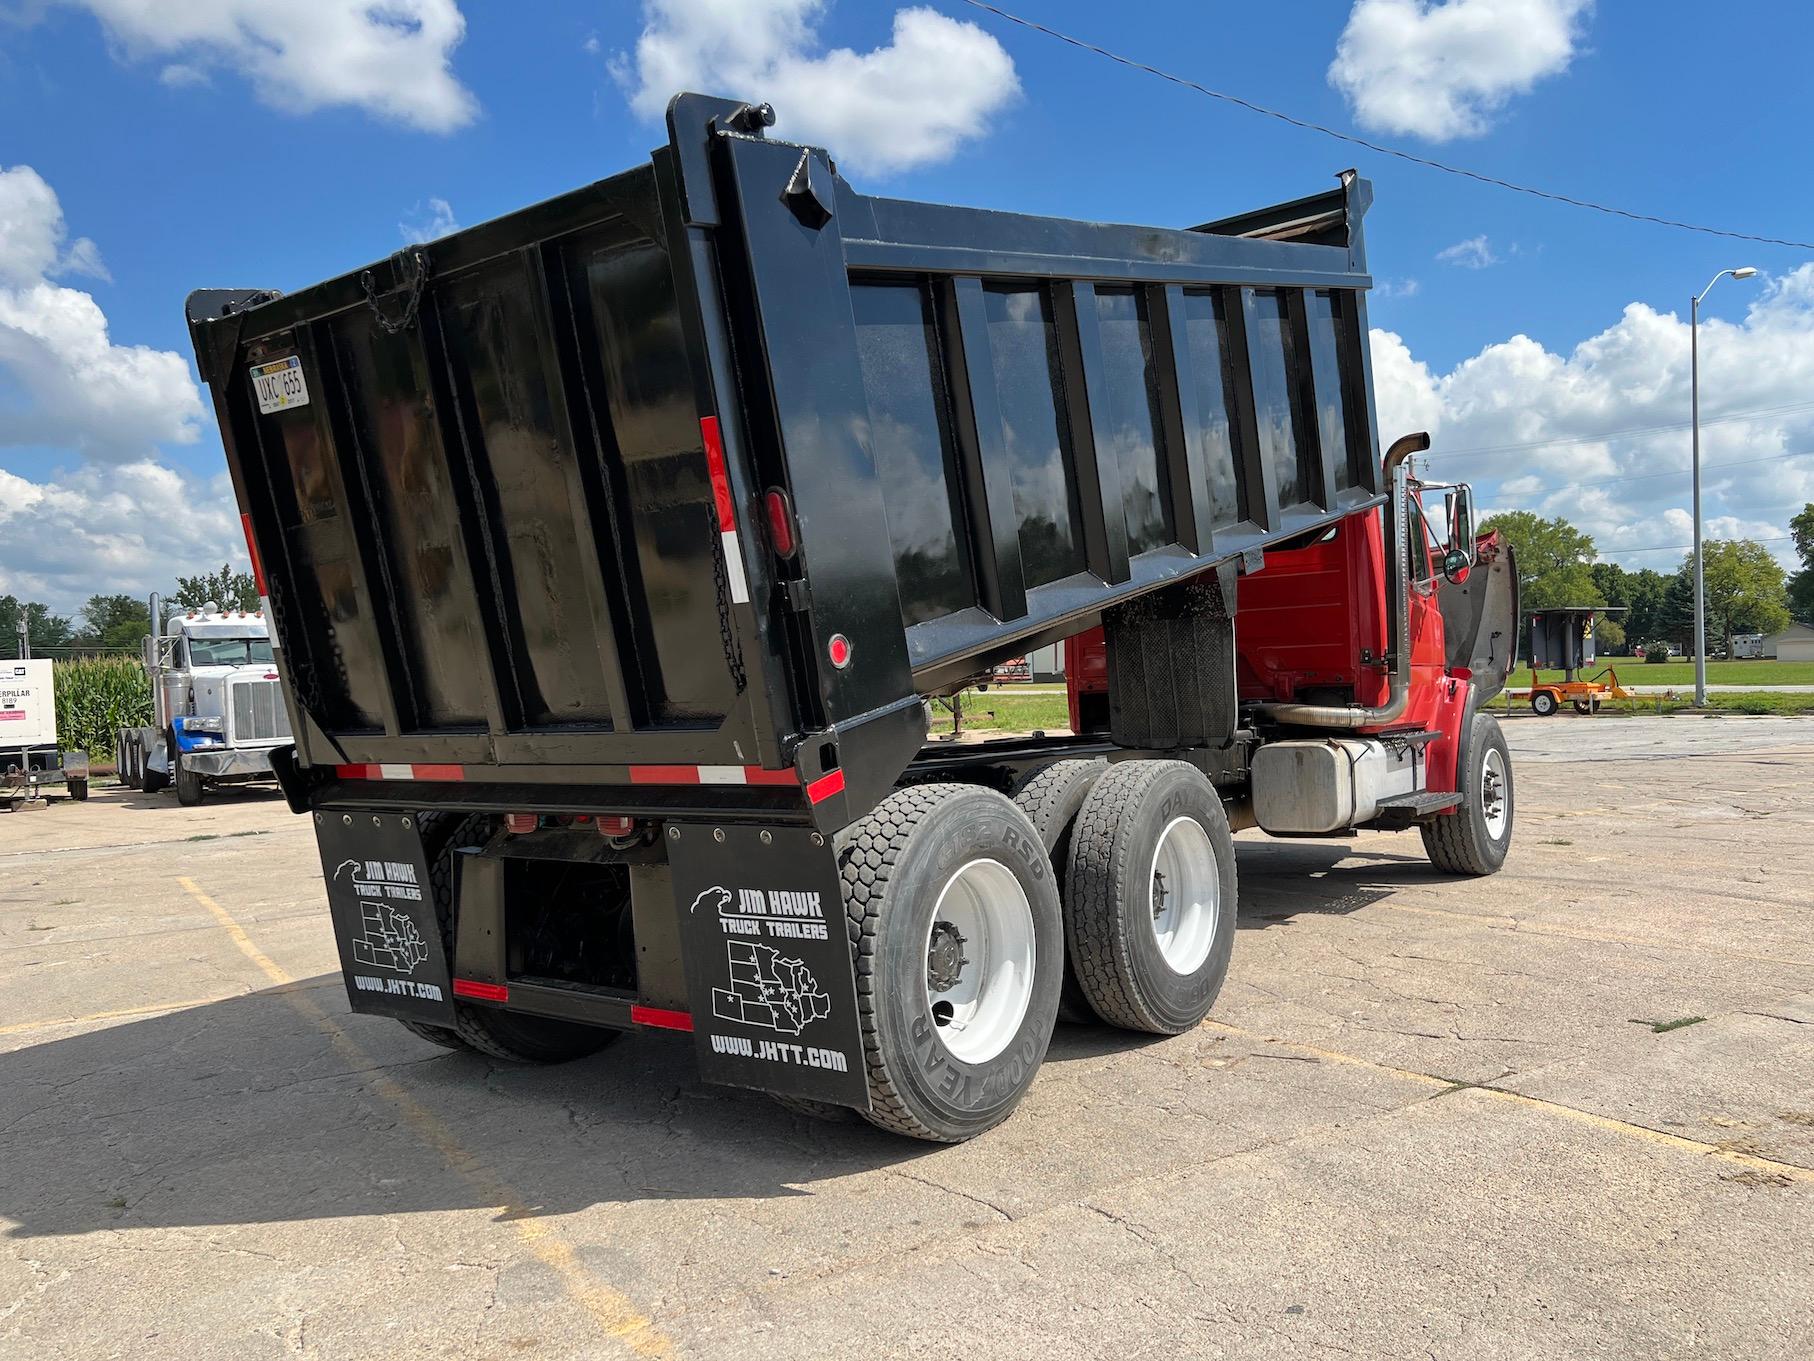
(1150,896)
(957,936)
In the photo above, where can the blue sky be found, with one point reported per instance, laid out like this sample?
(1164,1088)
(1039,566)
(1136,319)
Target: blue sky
(199,148)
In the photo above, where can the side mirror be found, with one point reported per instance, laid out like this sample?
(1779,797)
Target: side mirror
(1455,565)
(1461,527)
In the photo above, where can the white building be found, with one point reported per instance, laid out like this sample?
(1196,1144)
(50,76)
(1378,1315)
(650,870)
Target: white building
(1793,644)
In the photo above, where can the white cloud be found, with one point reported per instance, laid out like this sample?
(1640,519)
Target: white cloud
(63,382)
(1602,430)
(913,102)
(1442,71)
(99,531)
(430,225)
(1385,289)
(1474,253)
(392,58)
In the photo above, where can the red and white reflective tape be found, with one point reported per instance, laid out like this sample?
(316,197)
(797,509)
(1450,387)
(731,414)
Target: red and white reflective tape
(725,508)
(710,775)
(816,792)
(391,771)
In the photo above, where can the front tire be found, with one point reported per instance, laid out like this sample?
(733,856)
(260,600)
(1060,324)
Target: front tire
(1474,838)
(1151,895)
(959,952)
(189,789)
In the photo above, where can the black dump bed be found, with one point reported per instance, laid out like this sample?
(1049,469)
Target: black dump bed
(510,491)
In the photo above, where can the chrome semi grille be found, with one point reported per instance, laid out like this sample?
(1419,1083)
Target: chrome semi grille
(257,712)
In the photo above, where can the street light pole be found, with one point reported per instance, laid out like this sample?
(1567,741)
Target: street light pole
(1694,388)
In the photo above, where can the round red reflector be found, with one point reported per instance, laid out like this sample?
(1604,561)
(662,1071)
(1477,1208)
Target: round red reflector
(838,649)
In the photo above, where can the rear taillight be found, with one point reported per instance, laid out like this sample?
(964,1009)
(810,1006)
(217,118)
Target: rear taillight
(780,511)
(615,825)
(520,822)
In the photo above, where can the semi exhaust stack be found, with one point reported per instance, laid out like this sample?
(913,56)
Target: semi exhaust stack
(1398,612)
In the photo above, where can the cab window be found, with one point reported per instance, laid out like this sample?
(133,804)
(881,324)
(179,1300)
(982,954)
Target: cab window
(1417,542)
(229,651)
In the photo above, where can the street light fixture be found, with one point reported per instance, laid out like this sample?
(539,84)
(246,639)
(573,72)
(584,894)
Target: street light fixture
(1694,384)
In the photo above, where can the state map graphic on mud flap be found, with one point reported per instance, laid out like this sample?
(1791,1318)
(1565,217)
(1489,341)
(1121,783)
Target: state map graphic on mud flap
(767,990)
(387,939)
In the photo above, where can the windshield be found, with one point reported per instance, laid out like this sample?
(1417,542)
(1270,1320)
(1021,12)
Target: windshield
(229,651)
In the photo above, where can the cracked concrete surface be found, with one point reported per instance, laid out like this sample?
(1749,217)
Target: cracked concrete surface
(1422,1119)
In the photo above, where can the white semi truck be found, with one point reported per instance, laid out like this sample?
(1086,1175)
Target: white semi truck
(217,705)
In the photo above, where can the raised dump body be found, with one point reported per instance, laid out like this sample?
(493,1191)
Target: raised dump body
(612,546)
(708,471)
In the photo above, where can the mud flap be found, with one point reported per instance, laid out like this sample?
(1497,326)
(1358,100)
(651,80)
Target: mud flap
(384,916)
(767,957)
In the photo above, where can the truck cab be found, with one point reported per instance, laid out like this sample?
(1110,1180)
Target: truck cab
(217,702)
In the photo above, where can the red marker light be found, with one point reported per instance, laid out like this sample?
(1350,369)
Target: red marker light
(615,824)
(838,649)
(780,522)
(520,822)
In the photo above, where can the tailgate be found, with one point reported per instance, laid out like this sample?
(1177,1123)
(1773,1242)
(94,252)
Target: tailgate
(477,479)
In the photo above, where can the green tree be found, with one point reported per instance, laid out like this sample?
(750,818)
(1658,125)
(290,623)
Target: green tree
(1744,587)
(1555,560)
(1801,585)
(1644,591)
(229,589)
(113,621)
(1675,614)
(42,628)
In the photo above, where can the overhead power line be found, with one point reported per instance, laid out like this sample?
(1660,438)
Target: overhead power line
(1482,450)
(1682,547)
(1352,140)
(1673,472)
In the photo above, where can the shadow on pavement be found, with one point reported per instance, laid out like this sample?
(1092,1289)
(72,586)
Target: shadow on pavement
(243,1112)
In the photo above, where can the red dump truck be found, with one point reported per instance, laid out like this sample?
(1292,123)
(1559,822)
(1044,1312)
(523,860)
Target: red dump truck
(614,548)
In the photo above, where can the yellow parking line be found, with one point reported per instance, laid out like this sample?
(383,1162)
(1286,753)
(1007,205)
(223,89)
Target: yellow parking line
(611,1311)
(1611,1125)
(1587,933)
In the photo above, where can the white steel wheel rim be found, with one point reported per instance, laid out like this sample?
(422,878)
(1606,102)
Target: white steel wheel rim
(1495,796)
(1184,886)
(977,1004)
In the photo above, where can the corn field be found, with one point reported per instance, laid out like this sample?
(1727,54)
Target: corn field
(96,696)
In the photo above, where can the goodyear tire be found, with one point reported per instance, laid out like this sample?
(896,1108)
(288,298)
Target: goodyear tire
(1543,703)
(485,1030)
(1476,836)
(1150,896)
(1051,797)
(958,943)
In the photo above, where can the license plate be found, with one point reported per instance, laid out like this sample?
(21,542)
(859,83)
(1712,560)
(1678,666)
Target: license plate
(280,385)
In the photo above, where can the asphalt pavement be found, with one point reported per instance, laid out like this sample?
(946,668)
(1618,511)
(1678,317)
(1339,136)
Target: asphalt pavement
(1564,1111)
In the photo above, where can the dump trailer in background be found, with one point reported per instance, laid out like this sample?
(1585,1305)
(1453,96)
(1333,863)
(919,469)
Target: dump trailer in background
(613,547)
